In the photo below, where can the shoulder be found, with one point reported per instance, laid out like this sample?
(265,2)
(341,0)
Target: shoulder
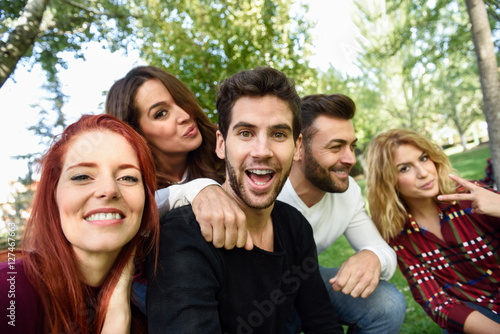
(179,231)
(285,210)
(290,219)
(19,302)
(184,214)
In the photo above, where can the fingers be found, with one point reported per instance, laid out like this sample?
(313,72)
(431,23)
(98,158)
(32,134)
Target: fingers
(359,275)
(249,242)
(221,220)
(455,197)
(468,185)
(354,286)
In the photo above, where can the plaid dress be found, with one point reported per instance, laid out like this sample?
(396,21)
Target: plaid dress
(463,267)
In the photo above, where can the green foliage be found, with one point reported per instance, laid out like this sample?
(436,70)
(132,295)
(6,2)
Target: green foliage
(418,60)
(67,24)
(203,42)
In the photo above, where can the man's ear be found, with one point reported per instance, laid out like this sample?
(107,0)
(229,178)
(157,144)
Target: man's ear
(220,148)
(299,149)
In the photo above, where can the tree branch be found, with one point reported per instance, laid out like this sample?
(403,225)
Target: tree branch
(21,38)
(98,13)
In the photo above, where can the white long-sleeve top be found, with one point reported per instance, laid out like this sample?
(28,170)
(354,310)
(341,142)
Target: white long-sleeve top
(343,213)
(180,194)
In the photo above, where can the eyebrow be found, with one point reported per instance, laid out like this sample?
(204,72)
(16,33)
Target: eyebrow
(93,165)
(157,104)
(341,141)
(406,163)
(281,126)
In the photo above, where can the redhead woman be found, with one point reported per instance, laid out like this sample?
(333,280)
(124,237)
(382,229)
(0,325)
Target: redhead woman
(445,230)
(93,214)
(165,112)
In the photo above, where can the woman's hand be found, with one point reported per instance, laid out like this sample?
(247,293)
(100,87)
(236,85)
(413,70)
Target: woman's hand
(484,201)
(119,314)
(221,220)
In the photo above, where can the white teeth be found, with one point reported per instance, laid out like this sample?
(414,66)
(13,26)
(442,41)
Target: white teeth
(103,216)
(260,171)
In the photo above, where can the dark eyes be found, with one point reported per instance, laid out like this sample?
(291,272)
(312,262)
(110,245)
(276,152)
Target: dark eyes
(160,114)
(130,178)
(85,177)
(80,177)
(248,134)
(404,169)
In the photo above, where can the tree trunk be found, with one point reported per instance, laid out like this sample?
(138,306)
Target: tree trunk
(22,38)
(488,74)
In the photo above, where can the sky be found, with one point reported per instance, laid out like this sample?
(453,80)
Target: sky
(85,81)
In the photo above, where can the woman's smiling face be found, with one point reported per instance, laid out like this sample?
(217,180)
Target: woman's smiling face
(100,193)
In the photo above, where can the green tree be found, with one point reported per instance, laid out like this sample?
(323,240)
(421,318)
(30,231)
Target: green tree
(419,57)
(203,42)
(488,73)
(37,30)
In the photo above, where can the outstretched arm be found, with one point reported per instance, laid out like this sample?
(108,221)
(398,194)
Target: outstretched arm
(484,201)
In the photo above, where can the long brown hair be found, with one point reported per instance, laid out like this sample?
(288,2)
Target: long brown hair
(387,208)
(121,103)
(49,259)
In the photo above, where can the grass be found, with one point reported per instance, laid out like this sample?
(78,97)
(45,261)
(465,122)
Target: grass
(470,165)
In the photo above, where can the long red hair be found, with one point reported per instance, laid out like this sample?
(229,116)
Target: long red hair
(49,260)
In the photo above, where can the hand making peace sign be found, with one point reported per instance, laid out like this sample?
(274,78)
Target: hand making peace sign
(484,201)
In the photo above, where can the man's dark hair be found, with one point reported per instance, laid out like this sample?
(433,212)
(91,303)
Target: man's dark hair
(260,81)
(334,105)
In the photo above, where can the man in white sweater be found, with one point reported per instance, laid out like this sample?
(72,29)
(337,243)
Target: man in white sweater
(320,187)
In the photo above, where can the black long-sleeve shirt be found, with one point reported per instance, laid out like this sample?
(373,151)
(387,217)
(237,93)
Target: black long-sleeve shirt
(201,289)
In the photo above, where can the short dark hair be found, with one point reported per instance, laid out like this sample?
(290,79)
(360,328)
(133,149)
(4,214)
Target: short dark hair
(260,81)
(334,105)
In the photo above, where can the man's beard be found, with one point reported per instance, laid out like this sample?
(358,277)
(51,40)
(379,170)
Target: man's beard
(321,178)
(240,191)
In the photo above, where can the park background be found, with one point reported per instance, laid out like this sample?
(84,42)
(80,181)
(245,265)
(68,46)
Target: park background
(408,64)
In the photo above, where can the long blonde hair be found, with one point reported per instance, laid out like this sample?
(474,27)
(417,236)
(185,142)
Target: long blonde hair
(387,208)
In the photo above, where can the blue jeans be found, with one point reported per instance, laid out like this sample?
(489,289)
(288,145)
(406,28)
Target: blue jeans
(382,312)
(483,310)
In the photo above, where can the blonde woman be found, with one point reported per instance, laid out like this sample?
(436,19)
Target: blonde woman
(445,230)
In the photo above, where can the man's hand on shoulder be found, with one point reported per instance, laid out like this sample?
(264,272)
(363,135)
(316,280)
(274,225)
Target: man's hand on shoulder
(359,275)
(221,220)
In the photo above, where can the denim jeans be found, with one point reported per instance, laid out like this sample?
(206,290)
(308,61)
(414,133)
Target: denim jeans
(382,312)
(483,311)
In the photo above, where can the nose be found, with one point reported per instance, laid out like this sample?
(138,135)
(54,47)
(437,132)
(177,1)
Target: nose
(182,116)
(348,157)
(261,147)
(107,189)
(421,171)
